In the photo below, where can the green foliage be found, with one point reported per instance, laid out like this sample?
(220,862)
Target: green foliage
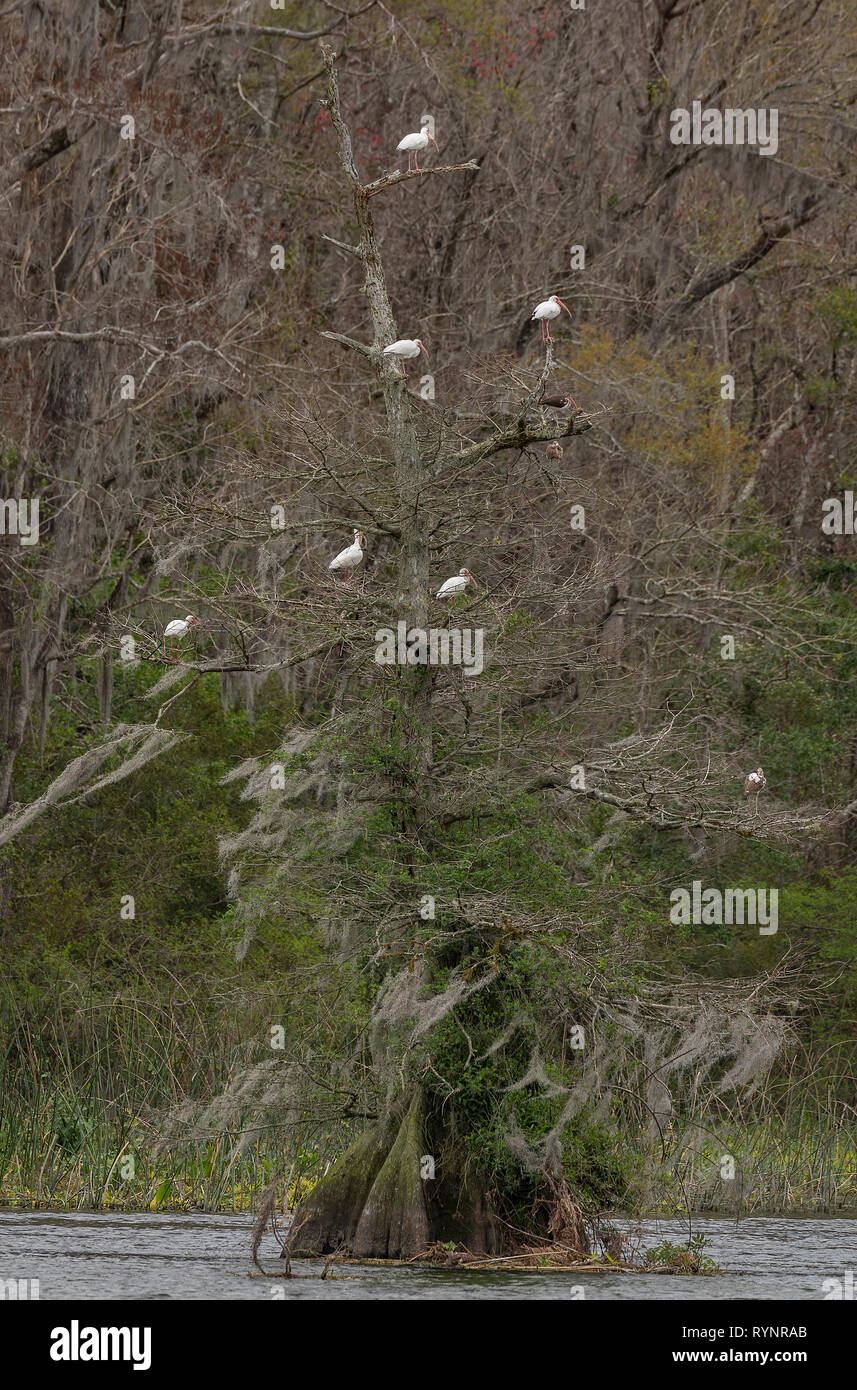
(838,308)
(690,1258)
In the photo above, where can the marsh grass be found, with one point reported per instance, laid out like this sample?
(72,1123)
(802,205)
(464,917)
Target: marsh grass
(90,1084)
(85,1093)
(793,1143)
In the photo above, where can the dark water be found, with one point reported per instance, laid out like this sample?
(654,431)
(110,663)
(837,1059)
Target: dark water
(95,1256)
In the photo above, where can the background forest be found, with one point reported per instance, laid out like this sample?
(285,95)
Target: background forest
(275,897)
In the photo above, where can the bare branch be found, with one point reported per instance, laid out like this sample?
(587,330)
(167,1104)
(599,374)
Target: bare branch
(229,29)
(398,176)
(351,342)
(802,211)
(53,143)
(640,809)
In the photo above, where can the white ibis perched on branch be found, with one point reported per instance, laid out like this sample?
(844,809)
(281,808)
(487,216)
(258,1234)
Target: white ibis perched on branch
(451,588)
(755,782)
(176,629)
(547,310)
(405,348)
(349,558)
(412,144)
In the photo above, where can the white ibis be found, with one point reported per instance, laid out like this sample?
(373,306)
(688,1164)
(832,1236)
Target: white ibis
(405,348)
(755,782)
(176,629)
(349,558)
(554,450)
(451,588)
(412,144)
(547,310)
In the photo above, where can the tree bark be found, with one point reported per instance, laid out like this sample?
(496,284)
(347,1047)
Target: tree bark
(374,1202)
(410,482)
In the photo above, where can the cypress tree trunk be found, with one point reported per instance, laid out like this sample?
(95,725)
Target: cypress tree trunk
(409,469)
(375,1202)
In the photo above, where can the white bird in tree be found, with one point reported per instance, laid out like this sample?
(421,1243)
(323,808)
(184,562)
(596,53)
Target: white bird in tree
(755,782)
(176,629)
(349,558)
(412,144)
(547,310)
(451,588)
(405,348)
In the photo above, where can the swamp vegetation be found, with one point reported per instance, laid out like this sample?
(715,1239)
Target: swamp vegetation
(289,928)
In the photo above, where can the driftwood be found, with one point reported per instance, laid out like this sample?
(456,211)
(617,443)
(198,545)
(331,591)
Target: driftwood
(512,1264)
